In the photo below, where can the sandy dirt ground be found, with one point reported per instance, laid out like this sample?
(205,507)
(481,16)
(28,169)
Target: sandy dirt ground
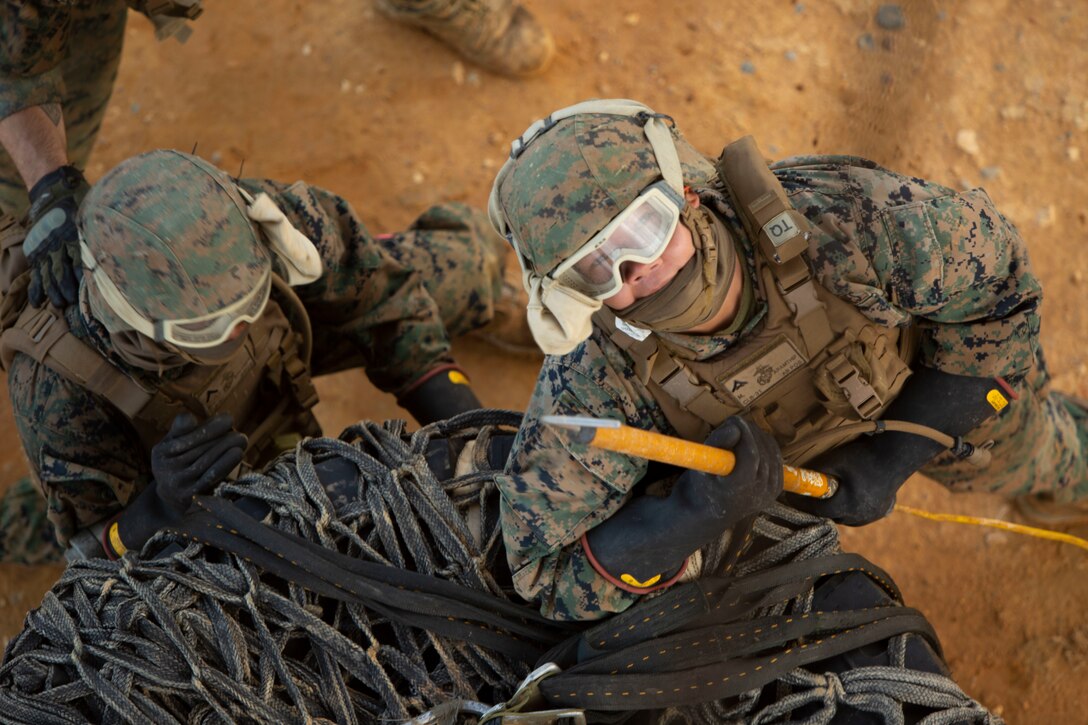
(983,92)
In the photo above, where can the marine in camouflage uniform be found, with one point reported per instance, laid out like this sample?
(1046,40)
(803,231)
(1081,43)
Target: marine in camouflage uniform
(58,62)
(901,250)
(368,308)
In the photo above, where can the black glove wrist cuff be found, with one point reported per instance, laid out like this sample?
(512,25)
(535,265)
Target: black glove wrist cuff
(628,583)
(111,539)
(61,180)
(137,523)
(440,394)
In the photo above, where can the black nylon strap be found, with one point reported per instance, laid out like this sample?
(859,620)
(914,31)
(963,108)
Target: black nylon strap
(688,645)
(721,679)
(683,646)
(716,600)
(404,596)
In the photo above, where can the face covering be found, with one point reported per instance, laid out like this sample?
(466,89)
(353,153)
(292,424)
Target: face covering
(142,352)
(698,290)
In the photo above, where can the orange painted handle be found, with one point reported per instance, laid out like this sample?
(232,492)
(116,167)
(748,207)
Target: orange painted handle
(701,457)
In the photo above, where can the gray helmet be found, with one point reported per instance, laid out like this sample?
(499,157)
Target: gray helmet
(169,251)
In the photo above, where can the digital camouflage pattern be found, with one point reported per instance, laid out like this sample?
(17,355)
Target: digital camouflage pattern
(464,259)
(26,534)
(370,309)
(199,251)
(62,52)
(562,192)
(900,249)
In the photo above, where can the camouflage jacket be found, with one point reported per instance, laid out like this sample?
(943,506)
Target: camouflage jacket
(367,310)
(900,249)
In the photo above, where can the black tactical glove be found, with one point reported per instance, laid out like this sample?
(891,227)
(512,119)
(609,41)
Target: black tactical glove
(442,393)
(871,468)
(188,461)
(52,244)
(645,544)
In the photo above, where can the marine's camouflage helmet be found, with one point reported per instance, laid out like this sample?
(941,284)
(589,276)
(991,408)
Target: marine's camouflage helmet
(567,182)
(170,231)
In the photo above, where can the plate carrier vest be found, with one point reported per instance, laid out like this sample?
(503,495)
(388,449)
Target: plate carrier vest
(265,386)
(813,364)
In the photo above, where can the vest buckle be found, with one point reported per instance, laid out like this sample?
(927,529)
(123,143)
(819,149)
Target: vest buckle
(860,394)
(298,377)
(40,325)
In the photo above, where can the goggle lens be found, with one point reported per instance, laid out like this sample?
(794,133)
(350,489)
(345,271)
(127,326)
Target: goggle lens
(640,233)
(212,331)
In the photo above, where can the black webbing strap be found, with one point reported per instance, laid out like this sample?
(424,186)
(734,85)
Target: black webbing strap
(720,600)
(704,669)
(688,645)
(694,643)
(419,600)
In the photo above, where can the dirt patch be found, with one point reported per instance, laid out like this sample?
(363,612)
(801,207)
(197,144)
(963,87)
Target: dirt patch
(967,94)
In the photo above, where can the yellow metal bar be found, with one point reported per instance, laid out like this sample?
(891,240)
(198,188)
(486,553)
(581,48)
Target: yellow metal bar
(701,457)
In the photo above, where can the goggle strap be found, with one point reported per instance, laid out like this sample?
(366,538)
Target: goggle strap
(119,304)
(657,132)
(660,137)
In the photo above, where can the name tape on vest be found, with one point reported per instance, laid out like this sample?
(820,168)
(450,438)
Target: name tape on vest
(767,370)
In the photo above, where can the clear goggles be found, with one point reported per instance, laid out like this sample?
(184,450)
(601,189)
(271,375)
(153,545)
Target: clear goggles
(214,329)
(639,233)
(194,333)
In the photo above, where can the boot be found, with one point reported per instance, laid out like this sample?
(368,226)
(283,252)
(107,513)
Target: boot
(500,35)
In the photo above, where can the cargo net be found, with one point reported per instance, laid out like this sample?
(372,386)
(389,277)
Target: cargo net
(199,632)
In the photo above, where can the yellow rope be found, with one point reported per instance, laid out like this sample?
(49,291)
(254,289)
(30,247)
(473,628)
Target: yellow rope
(997,524)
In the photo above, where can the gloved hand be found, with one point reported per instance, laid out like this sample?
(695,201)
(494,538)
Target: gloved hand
(644,545)
(52,244)
(442,393)
(189,460)
(870,469)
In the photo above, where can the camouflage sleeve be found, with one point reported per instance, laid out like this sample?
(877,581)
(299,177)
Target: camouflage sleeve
(555,489)
(963,272)
(368,309)
(33,40)
(78,446)
(907,250)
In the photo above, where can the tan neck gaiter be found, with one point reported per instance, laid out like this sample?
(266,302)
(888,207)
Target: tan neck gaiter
(698,290)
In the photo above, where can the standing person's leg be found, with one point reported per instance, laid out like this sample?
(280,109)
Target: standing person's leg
(89,70)
(499,35)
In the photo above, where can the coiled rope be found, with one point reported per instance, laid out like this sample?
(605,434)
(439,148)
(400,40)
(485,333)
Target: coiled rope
(189,633)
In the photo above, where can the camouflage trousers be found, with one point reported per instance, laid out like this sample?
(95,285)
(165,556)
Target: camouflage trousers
(461,258)
(1040,444)
(89,70)
(26,533)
